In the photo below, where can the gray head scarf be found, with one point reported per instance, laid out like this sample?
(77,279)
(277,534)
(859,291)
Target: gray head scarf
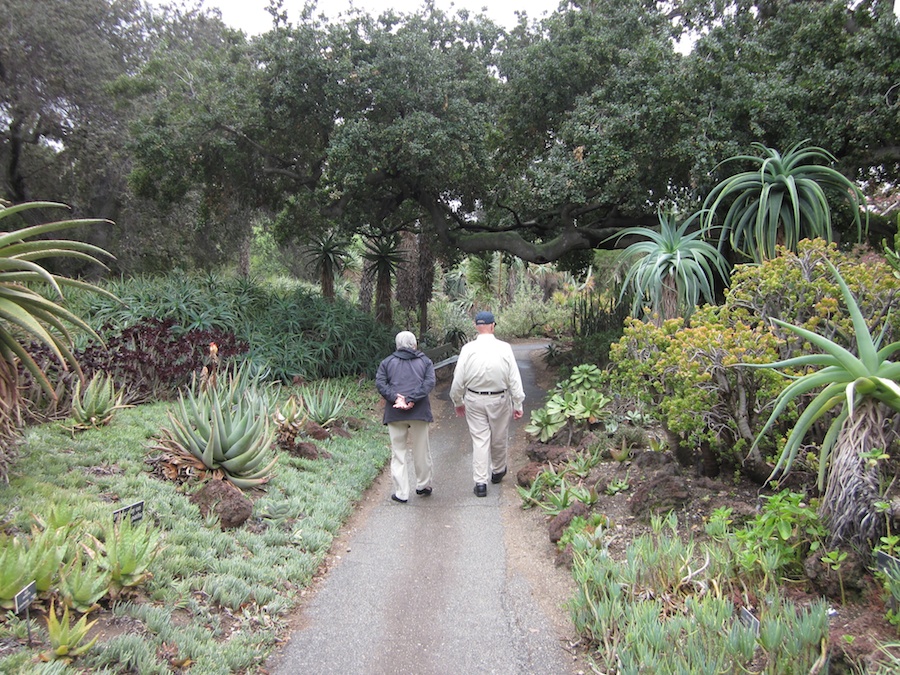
(406,340)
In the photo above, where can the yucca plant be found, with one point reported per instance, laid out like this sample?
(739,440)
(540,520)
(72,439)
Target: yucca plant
(66,639)
(229,439)
(95,405)
(856,386)
(675,268)
(25,314)
(783,201)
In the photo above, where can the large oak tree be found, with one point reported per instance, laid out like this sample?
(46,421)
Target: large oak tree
(540,141)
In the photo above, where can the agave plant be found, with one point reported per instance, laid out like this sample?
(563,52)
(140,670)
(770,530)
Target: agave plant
(94,407)
(230,439)
(783,201)
(675,268)
(27,315)
(856,386)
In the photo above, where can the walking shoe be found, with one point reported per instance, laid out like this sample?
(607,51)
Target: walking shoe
(481,489)
(397,499)
(424,492)
(497,477)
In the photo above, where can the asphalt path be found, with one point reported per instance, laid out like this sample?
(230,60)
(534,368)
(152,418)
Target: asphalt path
(427,587)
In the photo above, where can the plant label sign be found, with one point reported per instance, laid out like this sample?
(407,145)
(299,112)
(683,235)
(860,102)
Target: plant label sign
(749,620)
(26,596)
(134,511)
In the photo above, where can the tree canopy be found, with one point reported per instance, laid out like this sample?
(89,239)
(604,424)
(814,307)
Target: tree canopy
(538,141)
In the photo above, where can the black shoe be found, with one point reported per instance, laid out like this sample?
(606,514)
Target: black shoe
(424,492)
(480,489)
(397,499)
(497,477)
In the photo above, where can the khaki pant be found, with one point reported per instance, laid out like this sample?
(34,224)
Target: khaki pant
(488,418)
(406,436)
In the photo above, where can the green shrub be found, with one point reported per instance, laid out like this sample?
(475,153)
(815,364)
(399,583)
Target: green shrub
(685,374)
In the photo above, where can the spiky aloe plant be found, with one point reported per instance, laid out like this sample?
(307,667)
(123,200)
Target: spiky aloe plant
(67,640)
(675,268)
(129,551)
(25,314)
(783,201)
(856,386)
(95,405)
(229,438)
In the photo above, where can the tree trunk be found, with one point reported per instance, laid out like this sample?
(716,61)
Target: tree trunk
(384,311)
(366,287)
(424,282)
(852,486)
(327,282)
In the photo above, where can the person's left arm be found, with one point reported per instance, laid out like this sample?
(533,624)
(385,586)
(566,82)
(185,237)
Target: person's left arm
(514,385)
(426,382)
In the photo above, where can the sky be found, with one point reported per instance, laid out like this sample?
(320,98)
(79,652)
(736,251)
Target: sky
(251,16)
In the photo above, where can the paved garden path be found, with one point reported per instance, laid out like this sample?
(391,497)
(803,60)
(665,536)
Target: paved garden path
(428,587)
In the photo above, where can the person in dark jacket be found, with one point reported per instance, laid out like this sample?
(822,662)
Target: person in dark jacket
(405,379)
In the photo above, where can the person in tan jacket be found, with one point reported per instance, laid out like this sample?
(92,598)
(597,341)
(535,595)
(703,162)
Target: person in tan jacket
(487,390)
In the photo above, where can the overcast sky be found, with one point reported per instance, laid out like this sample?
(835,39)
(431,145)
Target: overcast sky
(251,16)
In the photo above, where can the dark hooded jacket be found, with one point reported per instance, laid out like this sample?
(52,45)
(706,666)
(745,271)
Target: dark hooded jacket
(411,373)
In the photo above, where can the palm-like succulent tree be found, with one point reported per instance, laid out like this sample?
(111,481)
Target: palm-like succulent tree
(859,387)
(780,203)
(384,254)
(26,315)
(674,270)
(329,254)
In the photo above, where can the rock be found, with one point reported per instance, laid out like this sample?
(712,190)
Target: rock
(659,494)
(543,453)
(526,475)
(560,522)
(316,431)
(226,501)
(648,459)
(355,424)
(827,581)
(308,450)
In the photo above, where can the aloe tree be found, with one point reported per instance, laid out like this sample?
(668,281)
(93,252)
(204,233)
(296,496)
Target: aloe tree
(385,256)
(674,270)
(857,388)
(329,254)
(781,202)
(26,315)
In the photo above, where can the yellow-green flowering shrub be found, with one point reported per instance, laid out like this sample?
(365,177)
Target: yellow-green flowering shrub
(688,377)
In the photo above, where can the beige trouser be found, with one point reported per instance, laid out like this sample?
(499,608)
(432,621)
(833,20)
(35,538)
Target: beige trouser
(406,436)
(488,418)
